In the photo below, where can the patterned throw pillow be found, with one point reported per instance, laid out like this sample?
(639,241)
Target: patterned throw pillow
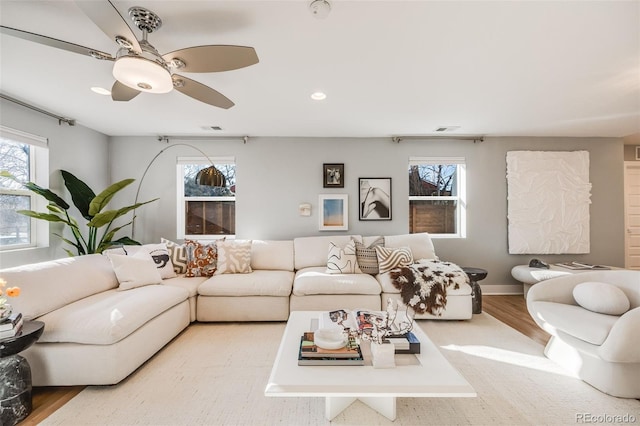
(234,257)
(201,259)
(178,255)
(343,260)
(389,258)
(367,257)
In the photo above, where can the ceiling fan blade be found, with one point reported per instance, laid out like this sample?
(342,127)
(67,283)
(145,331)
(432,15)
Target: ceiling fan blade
(213,58)
(120,92)
(105,15)
(201,92)
(53,42)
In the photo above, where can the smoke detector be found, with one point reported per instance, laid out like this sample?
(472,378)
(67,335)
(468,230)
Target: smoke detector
(320,8)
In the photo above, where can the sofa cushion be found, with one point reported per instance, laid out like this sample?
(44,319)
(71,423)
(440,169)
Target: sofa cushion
(342,260)
(603,298)
(272,255)
(201,259)
(315,280)
(366,255)
(159,253)
(47,286)
(389,259)
(234,257)
(575,321)
(108,317)
(420,244)
(257,283)
(178,255)
(312,251)
(134,270)
(190,284)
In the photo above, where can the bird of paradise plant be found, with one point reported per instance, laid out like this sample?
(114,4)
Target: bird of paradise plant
(90,206)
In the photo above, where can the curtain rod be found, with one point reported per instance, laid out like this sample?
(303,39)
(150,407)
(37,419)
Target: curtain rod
(477,138)
(69,121)
(166,138)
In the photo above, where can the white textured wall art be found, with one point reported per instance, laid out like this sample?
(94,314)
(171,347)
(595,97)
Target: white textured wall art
(548,202)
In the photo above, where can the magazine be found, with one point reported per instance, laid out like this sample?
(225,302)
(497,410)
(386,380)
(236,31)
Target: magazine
(582,266)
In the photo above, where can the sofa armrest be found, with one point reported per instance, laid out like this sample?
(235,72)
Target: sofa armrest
(621,344)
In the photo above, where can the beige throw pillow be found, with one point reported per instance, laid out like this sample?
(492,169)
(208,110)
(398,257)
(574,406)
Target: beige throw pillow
(178,255)
(134,271)
(234,257)
(367,257)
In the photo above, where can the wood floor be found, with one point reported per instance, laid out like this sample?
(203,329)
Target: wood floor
(511,310)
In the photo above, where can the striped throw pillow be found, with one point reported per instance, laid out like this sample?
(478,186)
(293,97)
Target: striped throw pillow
(390,258)
(367,257)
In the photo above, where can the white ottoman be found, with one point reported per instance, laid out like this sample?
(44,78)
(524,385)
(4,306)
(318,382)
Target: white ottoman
(529,276)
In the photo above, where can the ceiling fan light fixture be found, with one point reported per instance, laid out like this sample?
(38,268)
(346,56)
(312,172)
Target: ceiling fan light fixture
(142,74)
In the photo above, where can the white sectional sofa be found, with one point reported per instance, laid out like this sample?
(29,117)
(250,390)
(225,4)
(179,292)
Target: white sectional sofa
(97,332)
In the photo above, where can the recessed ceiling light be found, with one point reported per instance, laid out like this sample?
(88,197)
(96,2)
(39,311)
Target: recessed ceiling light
(100,90)
(318,96)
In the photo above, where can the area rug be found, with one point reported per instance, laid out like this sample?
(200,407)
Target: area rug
(215,374)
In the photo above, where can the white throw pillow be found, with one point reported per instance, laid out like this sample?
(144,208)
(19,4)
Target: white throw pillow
(159,253)
(342,260)
(602,298)
(391,258)
(136,270)
(234,257)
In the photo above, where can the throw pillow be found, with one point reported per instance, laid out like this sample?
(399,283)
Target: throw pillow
(136,270)
(234,257)
(178,255)
(367,257)
(201,259)
(159,253)
(390,258)
(602,298)
(343,260)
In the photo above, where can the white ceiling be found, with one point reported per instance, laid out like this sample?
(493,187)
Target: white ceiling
(500,68)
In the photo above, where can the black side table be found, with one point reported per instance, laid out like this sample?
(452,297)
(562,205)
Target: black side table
(15,388)
(475,275)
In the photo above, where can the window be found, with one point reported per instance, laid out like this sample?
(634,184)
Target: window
(25,156)
(204,211)
(437,196)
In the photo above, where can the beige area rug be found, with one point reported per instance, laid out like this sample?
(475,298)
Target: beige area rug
(215,374)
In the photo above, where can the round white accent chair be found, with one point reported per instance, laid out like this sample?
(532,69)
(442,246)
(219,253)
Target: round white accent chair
(599,348)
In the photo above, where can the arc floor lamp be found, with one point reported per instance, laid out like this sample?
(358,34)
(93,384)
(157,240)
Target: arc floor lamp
(209,176)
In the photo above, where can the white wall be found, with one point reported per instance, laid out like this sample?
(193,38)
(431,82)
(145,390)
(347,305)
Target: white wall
(77,149)
(275,175)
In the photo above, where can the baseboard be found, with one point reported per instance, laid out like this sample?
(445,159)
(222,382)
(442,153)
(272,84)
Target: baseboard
(502,289)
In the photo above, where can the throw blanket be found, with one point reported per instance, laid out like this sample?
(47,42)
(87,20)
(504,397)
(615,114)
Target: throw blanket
(423,285)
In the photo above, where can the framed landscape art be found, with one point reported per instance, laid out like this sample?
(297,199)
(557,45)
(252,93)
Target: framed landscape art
(334,213)
(375,199)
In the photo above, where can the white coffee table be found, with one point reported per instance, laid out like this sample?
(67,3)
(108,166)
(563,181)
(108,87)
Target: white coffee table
(425,375)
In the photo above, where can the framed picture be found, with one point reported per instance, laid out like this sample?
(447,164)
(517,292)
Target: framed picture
(333,175)
(375,199)
(637,152)
(334,213)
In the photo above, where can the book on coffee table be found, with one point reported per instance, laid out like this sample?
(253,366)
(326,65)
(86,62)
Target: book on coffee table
(310,354)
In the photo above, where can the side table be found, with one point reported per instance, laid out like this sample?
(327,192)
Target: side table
(475,275)
(15,388)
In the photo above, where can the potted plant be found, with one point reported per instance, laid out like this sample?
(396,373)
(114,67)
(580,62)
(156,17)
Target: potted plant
(91,207)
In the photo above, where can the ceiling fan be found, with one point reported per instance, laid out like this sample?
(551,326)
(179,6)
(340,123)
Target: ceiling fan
(138,67)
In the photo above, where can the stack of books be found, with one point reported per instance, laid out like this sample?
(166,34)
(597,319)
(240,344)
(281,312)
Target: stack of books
(406,343)
(11,326)
(311,354)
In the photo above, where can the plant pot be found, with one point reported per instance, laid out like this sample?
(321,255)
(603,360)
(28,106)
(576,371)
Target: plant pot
(383,355)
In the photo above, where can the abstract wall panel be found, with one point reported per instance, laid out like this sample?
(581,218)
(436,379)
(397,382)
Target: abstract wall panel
(548,196)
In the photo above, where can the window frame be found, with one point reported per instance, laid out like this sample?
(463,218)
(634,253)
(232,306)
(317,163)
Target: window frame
(38,173)
(182,199)
(460,189)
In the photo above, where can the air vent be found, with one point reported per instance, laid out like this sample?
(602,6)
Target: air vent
(216,128)
(447,128)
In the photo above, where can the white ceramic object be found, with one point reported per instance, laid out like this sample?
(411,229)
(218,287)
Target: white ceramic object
(328,338)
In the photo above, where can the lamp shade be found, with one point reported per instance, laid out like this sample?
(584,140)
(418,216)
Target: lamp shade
(211,177)
(142,74)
